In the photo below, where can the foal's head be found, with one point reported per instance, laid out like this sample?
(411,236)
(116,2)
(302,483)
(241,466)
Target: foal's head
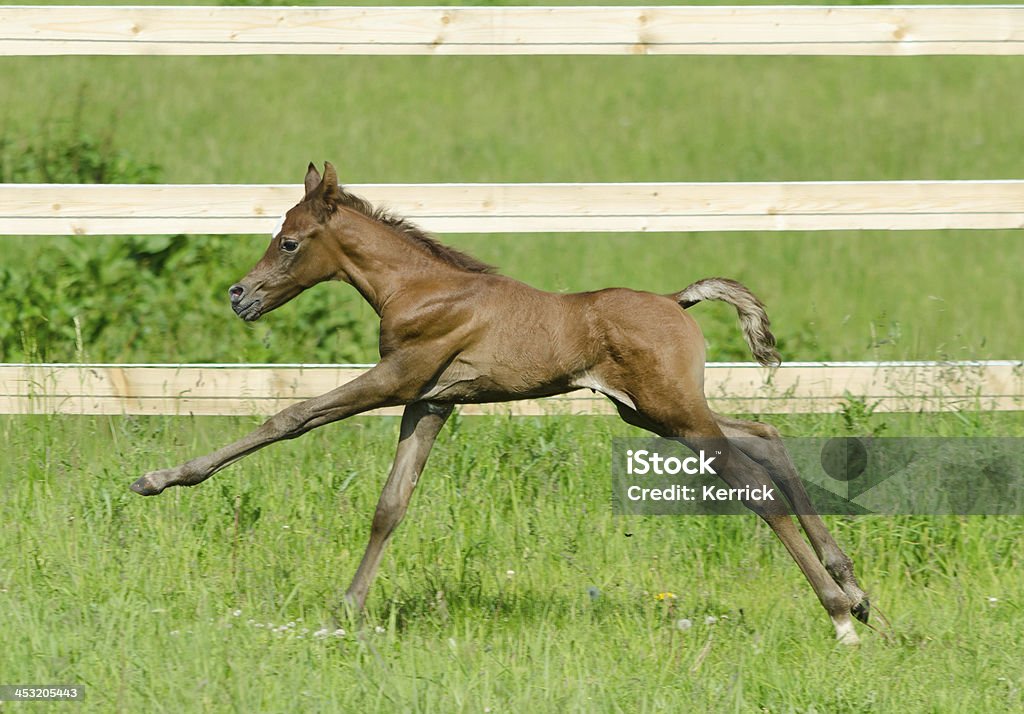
(298,257)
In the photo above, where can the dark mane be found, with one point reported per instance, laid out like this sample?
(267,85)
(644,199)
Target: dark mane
(414,234)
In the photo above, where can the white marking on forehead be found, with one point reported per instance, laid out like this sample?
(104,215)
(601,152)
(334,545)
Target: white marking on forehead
(278,227)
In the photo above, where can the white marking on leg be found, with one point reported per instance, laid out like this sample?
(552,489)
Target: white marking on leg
(278,227)
(845,632)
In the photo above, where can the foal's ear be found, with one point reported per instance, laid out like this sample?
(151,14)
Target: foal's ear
(326,195)
(330,182)
(312,179)
(329,191)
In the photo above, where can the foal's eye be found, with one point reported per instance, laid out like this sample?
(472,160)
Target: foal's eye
(289,246)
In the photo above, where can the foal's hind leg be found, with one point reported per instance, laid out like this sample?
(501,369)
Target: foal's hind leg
(740,471)
(763,444)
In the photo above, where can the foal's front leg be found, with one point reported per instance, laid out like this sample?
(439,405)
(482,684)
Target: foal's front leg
(387,384)
(421,423)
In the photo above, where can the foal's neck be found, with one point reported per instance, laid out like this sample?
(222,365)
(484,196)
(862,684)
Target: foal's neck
(376,260)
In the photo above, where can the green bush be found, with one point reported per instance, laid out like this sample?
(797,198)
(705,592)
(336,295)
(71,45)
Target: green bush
(143,298)
(66,152)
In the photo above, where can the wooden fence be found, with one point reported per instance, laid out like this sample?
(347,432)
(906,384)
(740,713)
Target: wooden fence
(751,30)
(34,209)
(450,208)
(219,389)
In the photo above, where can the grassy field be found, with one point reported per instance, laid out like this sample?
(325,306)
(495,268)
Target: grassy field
(511,586)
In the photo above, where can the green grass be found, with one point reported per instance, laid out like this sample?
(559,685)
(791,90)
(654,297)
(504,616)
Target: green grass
(135,598)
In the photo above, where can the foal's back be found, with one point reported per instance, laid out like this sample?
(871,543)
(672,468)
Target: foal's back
(510,340)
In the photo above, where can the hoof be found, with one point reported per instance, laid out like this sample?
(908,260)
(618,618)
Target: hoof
(862,610)
(146,487)
(849,639)
(845,634)
(347,612)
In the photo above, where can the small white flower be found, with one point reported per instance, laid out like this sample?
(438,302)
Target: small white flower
(710,620)
(993,600)
(321,633)
(510,573)
(175,633)
(259,624)
(379,630)
(287,528)
(684,624)
(237,613)
(290,624)
(339,632)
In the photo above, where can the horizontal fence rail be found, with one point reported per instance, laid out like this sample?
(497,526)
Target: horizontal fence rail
(731,387)
(94,209)
(748,30)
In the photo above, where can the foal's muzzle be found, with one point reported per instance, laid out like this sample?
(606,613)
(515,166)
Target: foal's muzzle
(245,306)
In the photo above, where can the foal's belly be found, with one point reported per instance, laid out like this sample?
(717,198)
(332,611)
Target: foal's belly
(462,386)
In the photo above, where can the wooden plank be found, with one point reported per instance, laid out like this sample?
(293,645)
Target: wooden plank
(112,209)
(733,388)
(752,30)
(901,387)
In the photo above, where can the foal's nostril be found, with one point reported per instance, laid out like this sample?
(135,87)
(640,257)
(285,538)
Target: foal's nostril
(236,292)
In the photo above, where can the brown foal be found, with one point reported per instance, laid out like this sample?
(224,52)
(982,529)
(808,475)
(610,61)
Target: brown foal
(454,332)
